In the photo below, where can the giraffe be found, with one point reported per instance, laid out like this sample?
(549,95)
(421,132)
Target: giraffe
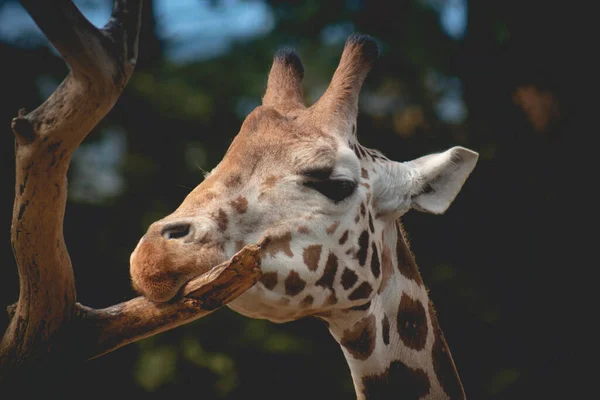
(330,209)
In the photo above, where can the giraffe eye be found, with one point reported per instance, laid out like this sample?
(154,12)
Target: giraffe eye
(334,189)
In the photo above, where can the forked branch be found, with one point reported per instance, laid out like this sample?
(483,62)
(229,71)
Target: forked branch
(48,323)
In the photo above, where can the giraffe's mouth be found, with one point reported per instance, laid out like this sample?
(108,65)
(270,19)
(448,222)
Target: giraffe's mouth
(160,267)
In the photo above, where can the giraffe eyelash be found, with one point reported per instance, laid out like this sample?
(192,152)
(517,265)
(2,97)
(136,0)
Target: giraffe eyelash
(320,174)
(335,190)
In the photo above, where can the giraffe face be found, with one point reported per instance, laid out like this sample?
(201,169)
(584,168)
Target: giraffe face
(297,177)
(285,179)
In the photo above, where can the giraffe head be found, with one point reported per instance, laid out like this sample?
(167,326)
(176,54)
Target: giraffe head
(298,176)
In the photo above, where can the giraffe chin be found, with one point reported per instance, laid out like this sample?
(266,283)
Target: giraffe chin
(267,301)
(259,304)
(290,289)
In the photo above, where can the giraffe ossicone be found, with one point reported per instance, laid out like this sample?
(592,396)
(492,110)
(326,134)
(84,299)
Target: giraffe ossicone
(330,209)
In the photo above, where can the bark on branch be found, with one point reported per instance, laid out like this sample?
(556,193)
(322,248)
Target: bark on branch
(121,324)
(48,324)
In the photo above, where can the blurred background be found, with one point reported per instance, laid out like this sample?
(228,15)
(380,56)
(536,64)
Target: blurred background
(503,78)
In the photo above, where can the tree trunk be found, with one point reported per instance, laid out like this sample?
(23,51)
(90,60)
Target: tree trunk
(48,327)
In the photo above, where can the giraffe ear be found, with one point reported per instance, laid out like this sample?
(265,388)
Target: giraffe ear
(439,177)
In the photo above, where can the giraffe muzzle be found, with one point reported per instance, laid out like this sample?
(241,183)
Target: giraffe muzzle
(169,255)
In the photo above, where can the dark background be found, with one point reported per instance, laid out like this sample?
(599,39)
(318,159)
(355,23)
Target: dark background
(507,79)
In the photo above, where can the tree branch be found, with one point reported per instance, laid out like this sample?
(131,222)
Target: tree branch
(118,325)
(123,29)
(75,38)
(48,325)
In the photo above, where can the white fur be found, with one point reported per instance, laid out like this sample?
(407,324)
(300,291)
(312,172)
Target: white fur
(429,183)
(347,165)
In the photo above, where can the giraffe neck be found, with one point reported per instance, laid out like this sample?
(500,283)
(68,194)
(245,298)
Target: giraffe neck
(393,344)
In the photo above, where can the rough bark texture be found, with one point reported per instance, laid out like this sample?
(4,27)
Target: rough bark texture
(48,325)
(118,325)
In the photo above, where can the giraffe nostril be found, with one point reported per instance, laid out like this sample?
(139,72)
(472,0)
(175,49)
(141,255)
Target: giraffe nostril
(179,230)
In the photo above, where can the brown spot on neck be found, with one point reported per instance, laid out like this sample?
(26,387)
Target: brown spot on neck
(280,244)
(363,244)
(332,299)
(385,330)
(364,174)
(307,301)
(344,237)
(329,272)
(349,278)
(398,380)
(303,229)
(361,292)
(375,265)
(311,256)
(222,220)
(210,195)
(294,284)
(360,340)
(240,205)
(412,323)
(233,180)
(331,229)
(267,185)
(270,182)
(269,279)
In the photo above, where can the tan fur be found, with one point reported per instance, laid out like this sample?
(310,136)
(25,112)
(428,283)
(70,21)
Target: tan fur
(161,266)
(339,104)
(284,87)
